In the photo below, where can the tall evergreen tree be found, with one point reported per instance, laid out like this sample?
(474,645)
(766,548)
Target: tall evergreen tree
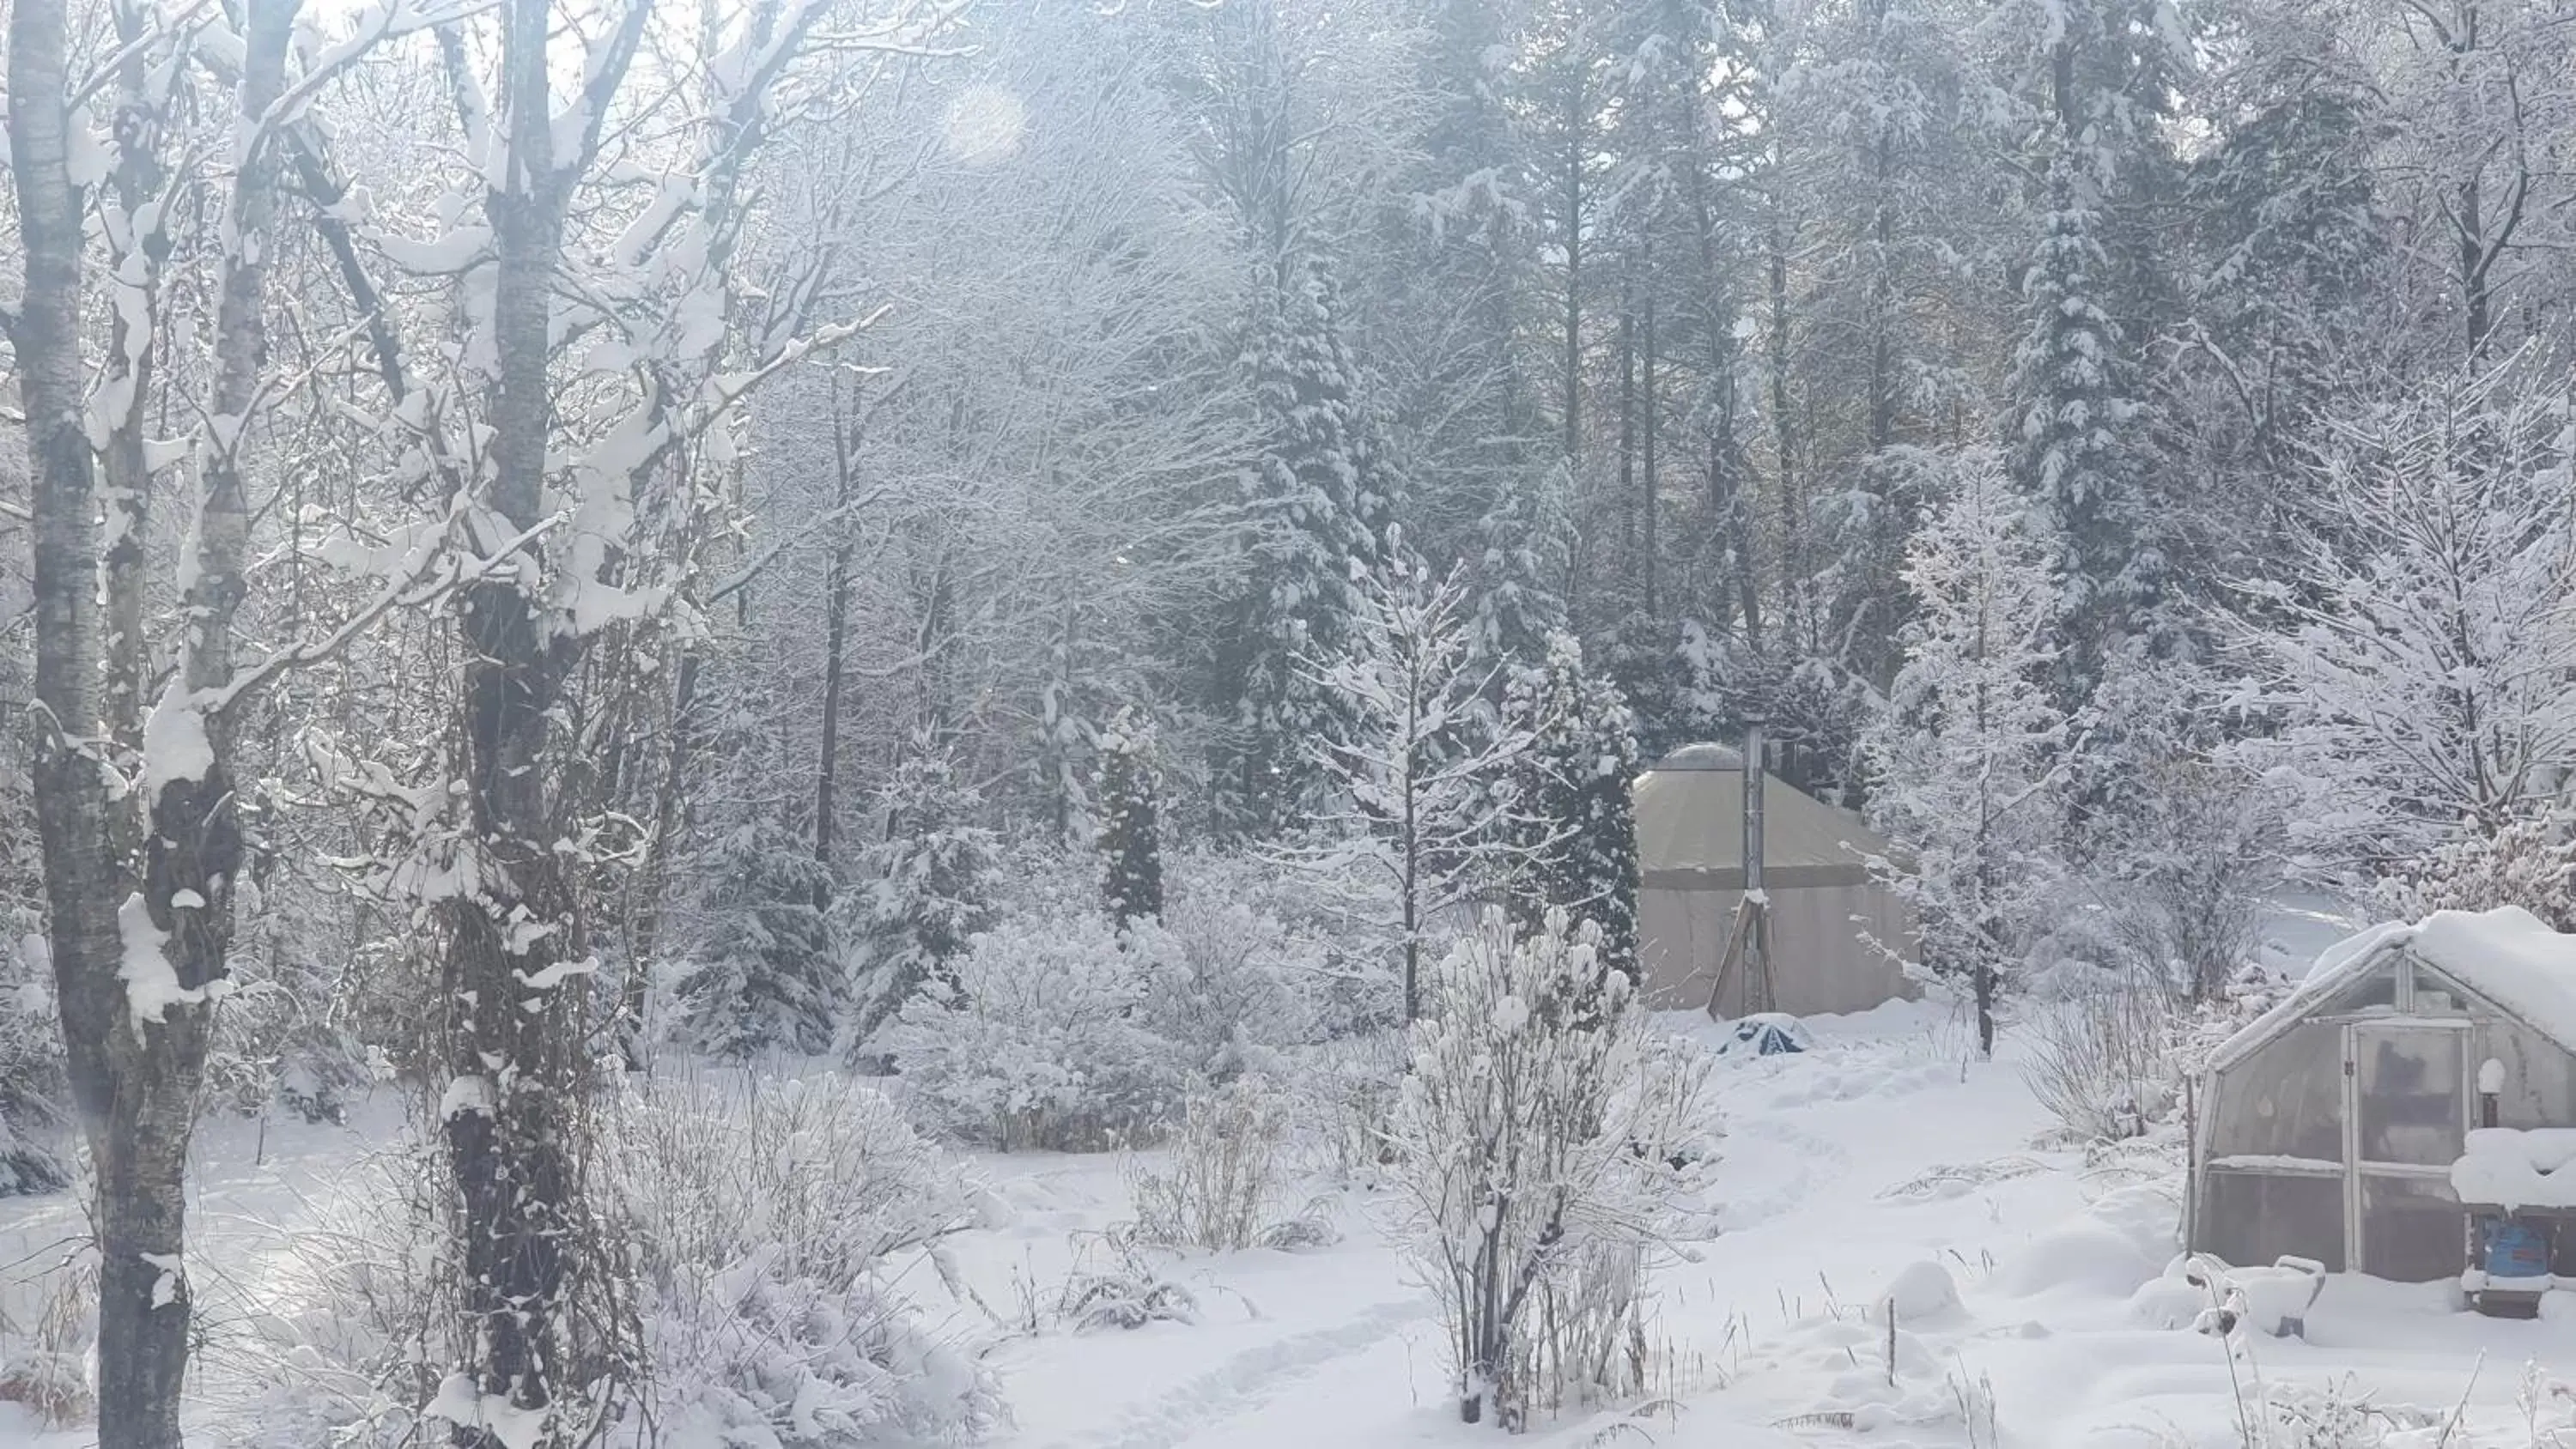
(767,975)
(1569,809)
(1131,838)
(2077,454)
(2100,83)
(1318,498)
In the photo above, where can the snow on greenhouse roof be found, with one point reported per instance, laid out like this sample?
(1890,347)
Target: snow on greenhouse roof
(2505,955)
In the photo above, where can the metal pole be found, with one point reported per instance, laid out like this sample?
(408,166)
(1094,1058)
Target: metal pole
(1757,901)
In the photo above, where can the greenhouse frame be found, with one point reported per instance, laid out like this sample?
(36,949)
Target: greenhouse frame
(2331,1127)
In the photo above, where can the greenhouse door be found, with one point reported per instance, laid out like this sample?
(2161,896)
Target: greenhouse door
(2406,1119)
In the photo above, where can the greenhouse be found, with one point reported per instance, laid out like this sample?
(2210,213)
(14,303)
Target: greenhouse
(2339,1126)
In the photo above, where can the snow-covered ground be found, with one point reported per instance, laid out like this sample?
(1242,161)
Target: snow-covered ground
(1882,1149)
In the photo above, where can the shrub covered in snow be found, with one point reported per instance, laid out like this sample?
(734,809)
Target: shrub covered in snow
(31,1075)
(1549,1143)
(2101,1060)
(1221,1182)
(764,1218)
(335,1349)
(1229,986)
(1325,924)
(1039,1039)
(1058,1028)
(2526,863)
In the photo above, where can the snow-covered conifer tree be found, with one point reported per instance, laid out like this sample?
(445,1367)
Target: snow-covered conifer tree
(1963,760)
(767,976)
(929,883)
(1317,500)
(1569,809)
(1131,838)
(2075,388)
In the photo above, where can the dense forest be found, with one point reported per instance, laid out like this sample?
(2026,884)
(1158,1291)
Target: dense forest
(1060,554)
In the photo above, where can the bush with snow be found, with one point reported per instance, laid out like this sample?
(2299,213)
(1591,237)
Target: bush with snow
(31,1074)
(1038,1038)
(1324,928)
(2527,863)
(1058,1028)
(336,1347)
(2101,1059)
(1221,1183)
(1228,986)
(1549,1143)
(765,1220)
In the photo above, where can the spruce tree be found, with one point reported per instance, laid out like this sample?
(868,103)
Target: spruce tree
(930,883)
(1318,498)
(2076,456)
(767,977)
(1131,840)
(1569,807)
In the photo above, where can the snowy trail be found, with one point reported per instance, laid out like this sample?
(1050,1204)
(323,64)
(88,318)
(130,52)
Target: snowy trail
(1344,1351)
(1251,1380)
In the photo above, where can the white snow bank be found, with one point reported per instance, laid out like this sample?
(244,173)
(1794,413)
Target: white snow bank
(2509,957)
(2515,1168)
(1920,1290)
(2118,1244)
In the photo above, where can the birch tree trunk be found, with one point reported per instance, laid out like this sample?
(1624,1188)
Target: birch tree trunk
(140,919)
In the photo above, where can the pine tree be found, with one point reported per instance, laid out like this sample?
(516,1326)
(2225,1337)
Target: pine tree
(1963,758)
(1131,839)
(768,976)
(2292,243)
(1517,605)
(1569,807)
(930,884)
(1317,500)
(2075,386)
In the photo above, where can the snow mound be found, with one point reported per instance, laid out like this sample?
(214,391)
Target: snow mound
(1919,1291)
(2515,1168)
(2114,1247)
(2171,1300)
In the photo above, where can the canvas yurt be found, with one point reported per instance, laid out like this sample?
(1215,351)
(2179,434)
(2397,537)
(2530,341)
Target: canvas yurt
(1826,916)
(2419,1083)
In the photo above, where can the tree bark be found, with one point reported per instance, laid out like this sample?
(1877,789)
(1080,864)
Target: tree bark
(1646,499)
(136,1057)
(836,623)
(513,955)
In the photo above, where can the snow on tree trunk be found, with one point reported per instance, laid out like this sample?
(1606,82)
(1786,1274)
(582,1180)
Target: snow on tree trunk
(138,881)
